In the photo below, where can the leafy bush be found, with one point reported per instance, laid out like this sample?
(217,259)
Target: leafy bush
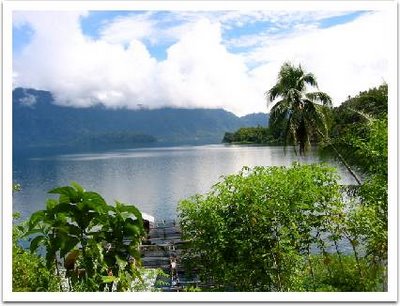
(369,152)
(97,243)
(274,229)
(360,134)
(255,230)
(29,271)
(340,274)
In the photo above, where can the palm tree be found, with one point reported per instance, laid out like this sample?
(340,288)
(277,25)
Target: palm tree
(300,111)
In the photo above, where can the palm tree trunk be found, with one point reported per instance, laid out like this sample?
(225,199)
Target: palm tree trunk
(344,162)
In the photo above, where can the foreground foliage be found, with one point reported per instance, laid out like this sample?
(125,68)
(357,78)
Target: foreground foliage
(360,133)
(92,245)
(29,270)
(278,229)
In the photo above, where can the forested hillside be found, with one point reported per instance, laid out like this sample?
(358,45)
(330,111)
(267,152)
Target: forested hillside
(39,122)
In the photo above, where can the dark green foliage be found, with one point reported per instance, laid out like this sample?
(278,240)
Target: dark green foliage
(351,123)
(366,146)
(250,135)
(270,229)
(372,157)
(360,134)
(360,130)
(29,271)
(254,231)
(373,102)
(301,113)
(16,187)
(97,243)
(342,275)
(228,137)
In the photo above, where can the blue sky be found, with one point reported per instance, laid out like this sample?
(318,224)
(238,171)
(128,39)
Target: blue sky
(92,24)
(215,59)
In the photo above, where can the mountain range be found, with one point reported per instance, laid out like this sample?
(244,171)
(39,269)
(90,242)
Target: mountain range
(38,122)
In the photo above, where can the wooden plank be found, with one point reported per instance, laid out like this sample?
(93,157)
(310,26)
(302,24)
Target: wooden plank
(164,243)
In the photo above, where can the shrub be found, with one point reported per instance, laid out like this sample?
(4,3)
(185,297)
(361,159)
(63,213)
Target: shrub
(97,243)
(29,272)
(254,231)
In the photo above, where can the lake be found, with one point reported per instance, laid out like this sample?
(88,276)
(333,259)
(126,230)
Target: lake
(153,179)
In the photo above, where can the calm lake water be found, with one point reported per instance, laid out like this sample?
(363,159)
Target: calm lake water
(153,179)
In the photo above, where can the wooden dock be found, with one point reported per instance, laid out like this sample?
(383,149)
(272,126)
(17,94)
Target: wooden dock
(164,249)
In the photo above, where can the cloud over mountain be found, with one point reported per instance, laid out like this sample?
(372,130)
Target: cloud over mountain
(205,64)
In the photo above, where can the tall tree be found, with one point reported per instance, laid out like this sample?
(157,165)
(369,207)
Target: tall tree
(301,112)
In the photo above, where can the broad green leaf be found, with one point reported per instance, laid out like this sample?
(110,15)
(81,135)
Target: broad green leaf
(78,187)
(66,192)
(67,244)
(109,279)
(66,208)
(95,202)
(132,230)
(32,232)
(36,218)
(35,242)
(51,203)
(73,230)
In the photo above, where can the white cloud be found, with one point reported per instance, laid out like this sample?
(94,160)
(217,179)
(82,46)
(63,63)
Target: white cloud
(200,71)
(346,58)
(28,99)
(80,71)
(117,70)
(127,28)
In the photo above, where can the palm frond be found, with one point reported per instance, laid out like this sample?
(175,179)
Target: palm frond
(279,112)
(320,97)
(273,93)
(294,96)
(290,132)
(310,79)
(288,77)
(315,115)
(365,116)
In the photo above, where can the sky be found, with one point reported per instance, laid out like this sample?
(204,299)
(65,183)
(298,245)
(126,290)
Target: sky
(209,59)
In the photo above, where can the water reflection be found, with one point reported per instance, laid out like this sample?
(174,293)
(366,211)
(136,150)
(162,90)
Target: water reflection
(154,179)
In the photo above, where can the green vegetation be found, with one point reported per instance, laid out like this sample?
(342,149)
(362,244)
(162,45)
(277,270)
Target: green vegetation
(250,135)
(29,270)
(279,229)
(360,134)
(270,229)
(301,113)
(358,124)
(298,118)
(86,242)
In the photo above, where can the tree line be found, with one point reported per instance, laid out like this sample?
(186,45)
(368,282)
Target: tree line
(251,135)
